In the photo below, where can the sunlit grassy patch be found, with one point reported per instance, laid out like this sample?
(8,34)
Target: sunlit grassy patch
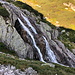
(54,9)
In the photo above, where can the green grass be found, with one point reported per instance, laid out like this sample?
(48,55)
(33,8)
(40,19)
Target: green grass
(36,65)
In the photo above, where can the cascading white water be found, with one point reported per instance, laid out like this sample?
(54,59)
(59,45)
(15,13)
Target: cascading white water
(34,43)
(50,52)
(2,1)
(29,24)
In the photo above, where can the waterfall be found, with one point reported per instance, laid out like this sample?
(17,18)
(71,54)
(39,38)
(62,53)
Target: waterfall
(29,24)
(1,1)
(50,52)
(34,43)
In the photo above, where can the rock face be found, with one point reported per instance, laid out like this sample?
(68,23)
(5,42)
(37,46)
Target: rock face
(12,39)
(14,35)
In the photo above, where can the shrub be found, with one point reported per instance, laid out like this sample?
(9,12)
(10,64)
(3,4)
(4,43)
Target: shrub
(4,12)
(67,37)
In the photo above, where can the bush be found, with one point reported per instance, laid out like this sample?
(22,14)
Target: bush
(4,12)
(67,37)
(71,36)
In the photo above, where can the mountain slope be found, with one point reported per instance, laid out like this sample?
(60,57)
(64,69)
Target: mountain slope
(60,13)
(18,34)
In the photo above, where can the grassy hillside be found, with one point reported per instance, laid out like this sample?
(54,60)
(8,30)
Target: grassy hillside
(36,65)
(55,11)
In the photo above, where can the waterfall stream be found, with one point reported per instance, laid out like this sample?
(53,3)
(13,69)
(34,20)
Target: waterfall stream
(49,52)
(34,43)
(29,24)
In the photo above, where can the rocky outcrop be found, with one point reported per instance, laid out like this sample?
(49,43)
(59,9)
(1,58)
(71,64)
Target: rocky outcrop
(11,70)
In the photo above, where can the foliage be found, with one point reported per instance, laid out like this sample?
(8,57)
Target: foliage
(68,34)
(3,11)
(67,37)
(42,70)
(0,4)
(51,25)
(36,65)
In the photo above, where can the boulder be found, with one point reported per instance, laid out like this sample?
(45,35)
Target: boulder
(30,71)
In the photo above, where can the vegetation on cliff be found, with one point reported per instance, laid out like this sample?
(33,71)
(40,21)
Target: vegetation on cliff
(67,36)
(3,11)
